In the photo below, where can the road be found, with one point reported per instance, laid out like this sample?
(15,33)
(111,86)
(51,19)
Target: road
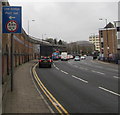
(87,86)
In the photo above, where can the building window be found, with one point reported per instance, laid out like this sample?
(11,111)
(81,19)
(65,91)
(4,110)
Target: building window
(101,34)
(102,44)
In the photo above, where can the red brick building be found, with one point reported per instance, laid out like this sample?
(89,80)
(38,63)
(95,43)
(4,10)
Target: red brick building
(108,41)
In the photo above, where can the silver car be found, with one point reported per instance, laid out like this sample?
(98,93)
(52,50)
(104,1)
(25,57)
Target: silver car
(77,58)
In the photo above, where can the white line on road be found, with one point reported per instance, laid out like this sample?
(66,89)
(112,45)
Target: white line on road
(98,72)
(112,69)
(83,68)
(57,68)
(109,91)
(80,79)
(54,65)
(64,72)
(116,77)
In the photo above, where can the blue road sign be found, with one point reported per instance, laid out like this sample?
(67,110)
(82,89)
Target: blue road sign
(11,19)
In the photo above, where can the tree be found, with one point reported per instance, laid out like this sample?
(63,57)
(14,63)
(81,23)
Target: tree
(60,42)
(55,41)
(50,40)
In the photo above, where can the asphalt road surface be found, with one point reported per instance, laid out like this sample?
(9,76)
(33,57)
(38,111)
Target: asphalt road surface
(85,86)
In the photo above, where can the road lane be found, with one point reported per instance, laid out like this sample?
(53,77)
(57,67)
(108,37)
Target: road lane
(100,65)
(75,95)
(94,78)
(96,67)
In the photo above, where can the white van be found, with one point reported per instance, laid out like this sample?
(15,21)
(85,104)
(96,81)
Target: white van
(64,56)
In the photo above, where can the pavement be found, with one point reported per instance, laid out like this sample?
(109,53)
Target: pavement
(25,98)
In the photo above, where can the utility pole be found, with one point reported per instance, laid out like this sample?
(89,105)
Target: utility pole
(107,40)
(28,40)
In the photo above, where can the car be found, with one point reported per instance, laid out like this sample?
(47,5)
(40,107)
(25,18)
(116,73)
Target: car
(45,62)
(82,57)
(64,56)
(70,56)
(77,58)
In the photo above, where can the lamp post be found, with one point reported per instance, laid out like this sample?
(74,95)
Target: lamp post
(106,39)
(43,36)
(28,37)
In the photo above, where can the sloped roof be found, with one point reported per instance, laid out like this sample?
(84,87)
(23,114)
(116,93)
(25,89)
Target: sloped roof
(109,25)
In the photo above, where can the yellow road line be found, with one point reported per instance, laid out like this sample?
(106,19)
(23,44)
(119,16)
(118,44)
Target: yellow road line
(56,104)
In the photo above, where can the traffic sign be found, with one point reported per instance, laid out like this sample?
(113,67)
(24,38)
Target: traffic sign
(11,19)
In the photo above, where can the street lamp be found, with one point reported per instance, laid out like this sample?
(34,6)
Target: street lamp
(28,37)
(106,37)
(43,36)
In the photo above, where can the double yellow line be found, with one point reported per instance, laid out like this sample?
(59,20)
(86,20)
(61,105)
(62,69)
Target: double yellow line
(55,103)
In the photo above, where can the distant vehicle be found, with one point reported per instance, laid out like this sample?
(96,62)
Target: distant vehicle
(64,56)
(70,56)
(45,62)
(46,51)
(45,59)
(95,54)
(59,56)
(82,57)
(56,55)
(77,58)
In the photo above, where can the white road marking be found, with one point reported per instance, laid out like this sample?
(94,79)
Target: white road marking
(112,69)
(64,72)
(78,67)
(83,68)
(98,72)
(109,91)
(57,68)
(116,77)
(80,79)
(54,65)
(98,66)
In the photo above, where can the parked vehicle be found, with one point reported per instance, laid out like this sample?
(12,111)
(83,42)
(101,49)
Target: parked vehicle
(45,62)
(77,58)
(64,56)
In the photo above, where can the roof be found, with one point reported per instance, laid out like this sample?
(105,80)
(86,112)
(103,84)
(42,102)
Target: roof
(109,25)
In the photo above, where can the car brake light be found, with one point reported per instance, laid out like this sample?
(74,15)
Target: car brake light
(50,60)
(40,60)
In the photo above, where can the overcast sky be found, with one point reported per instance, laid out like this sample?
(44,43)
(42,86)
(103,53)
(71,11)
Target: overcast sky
(69,21)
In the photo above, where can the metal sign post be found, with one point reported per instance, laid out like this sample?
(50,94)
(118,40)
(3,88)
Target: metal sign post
(0,58)
(12,61)
(11,23)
